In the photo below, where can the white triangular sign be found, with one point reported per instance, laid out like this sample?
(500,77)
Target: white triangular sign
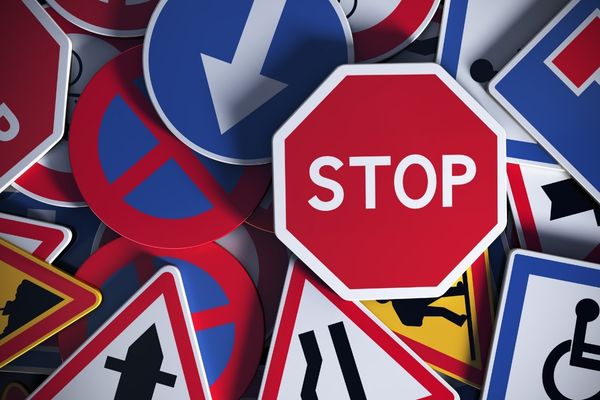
(326,347)
(42,239)
(147,350)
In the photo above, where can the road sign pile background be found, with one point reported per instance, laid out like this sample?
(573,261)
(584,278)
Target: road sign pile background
(299,199)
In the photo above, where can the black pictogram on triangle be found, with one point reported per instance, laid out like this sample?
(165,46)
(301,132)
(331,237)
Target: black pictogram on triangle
(30,301)
(140,371)
(568,198)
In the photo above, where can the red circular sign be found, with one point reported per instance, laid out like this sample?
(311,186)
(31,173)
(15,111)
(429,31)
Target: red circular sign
(381,28)
(143,182)
(50,179)
(121,18)
(225,307)
(380,199)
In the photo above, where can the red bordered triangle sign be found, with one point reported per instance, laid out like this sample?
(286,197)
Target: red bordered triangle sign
(36,301)
(42,239)
(146,350)
(326,347)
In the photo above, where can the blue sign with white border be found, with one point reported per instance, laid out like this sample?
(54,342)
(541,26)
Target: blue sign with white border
(224,75)
(477,38)
(549,310)
(553,89)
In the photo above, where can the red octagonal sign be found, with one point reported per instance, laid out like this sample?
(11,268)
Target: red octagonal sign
(389,181)
(34,67)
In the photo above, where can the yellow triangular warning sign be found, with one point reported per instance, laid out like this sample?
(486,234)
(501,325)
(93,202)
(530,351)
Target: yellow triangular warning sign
(36,301)
(452,332)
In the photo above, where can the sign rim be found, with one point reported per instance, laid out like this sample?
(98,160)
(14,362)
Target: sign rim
(119,33)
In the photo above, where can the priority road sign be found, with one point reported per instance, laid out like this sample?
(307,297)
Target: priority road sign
(34,99)
(50,180)
(546,339)
(553,86)
(41,239)
(553,214)
(365,194)
(121,18)
(325,347)
(478,37)
(143,182)
(273,52)
(465,316)
(381,28)
(37,301)
(146,350)
(226,309)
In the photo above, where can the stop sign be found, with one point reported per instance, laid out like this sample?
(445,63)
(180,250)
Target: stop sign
(36,57)
(389,181)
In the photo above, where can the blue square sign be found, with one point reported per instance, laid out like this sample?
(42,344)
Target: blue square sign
(552,89)
(546,343)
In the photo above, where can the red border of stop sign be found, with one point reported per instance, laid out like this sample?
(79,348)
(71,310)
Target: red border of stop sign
(490,186)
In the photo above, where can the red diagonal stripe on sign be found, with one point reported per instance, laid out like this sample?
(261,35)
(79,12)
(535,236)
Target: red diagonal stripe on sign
(168,148)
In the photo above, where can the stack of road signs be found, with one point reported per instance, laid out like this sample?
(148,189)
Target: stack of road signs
(272,199)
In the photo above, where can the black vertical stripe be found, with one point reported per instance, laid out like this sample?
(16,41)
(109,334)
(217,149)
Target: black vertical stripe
(347,362)
(310,347)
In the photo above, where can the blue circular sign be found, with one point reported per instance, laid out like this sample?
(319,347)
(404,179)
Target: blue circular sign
(224,75)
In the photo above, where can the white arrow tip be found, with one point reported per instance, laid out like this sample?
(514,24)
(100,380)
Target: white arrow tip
(236,91)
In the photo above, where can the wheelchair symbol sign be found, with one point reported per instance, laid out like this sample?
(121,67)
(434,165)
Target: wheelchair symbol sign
(547,340)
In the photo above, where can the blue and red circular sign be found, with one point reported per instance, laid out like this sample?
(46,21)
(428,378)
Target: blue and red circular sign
(139,179)
(50,179)
(121,18)
(226,310)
